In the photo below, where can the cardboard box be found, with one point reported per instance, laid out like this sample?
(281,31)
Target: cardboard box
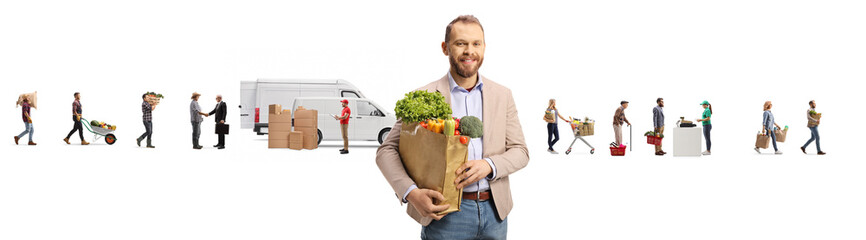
(311,141)
(296,140)
(274,108)
(302,113)
(279,127)
(305,122)
(780,135)
(278,135)
(278,143)
(280,118)
(307,131)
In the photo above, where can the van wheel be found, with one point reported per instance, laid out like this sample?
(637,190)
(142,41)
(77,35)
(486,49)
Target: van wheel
(383,134)
(320,136)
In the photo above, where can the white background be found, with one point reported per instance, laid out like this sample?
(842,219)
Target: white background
(589,55)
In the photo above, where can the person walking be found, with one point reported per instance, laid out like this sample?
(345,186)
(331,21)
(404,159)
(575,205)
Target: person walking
(768,123)
(344,125)
(813,121)
(28,122)
(147,119)
(220,110)
(552,117)
(659,123)
(618,120)
(708,126)
(195,114)
(76,119)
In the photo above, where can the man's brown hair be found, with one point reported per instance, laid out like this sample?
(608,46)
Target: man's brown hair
(462,19)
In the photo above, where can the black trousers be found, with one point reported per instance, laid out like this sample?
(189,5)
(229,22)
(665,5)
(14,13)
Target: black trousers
(76,127)
(222,140)
(221,137)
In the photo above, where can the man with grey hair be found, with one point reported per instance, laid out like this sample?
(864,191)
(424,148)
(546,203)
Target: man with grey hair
(220,110)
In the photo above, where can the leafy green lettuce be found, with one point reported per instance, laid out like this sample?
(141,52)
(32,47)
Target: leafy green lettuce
(422,105)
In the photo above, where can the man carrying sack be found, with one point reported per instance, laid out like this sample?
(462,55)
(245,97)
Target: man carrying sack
(486,197)
(25,102)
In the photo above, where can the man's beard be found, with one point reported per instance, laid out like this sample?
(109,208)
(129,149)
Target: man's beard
(465,73)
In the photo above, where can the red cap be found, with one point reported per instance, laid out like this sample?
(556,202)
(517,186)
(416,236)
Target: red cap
(344,101)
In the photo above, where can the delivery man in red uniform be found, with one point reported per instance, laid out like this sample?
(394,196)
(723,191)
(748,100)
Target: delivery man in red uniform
(344,125)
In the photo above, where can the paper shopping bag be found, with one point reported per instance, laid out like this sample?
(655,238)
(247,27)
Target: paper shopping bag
(431,159)
(763,141)
(780,135)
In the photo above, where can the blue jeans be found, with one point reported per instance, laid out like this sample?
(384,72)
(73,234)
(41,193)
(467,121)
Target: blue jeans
(475,220)
(707,129)
(552,135)
(148,131)
(28,128)
(815,137)
(773,139)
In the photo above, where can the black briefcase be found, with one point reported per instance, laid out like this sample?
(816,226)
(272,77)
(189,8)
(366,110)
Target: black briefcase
(222,128)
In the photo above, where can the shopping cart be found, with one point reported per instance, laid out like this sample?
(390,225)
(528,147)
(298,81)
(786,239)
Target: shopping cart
(576,129)
(99,132)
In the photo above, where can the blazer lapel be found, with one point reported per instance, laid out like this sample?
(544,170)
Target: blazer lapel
(443,88)
(488,105)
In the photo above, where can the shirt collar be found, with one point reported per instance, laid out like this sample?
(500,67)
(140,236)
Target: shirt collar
(453,84)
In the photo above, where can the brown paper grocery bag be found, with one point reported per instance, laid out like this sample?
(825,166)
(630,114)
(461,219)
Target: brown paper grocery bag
(431,159)
(763,141)
(781,134)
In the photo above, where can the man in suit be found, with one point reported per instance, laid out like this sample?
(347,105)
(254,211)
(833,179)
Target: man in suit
(220,110)
(499,153)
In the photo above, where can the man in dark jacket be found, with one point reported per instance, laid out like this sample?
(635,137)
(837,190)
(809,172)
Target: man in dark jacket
(659,122)
(220,110)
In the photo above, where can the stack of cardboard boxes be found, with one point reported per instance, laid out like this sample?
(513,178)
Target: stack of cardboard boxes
(307,122)
(280,134)
(279,126)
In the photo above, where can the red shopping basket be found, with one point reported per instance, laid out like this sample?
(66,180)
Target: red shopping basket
(653,140)
(617,151)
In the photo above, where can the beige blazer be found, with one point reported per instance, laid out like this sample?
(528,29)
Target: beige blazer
(503,144)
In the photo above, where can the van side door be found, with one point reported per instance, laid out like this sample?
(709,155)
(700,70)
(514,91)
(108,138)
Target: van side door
(368,120)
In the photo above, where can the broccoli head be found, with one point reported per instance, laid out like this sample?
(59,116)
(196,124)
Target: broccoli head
(471,126)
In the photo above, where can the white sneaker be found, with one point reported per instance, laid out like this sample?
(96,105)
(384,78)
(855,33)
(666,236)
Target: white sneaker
(553,151)
(757,150)
(778,152)
(705,153)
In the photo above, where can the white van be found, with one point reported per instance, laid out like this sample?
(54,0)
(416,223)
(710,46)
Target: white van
(367,122)
(257,95)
